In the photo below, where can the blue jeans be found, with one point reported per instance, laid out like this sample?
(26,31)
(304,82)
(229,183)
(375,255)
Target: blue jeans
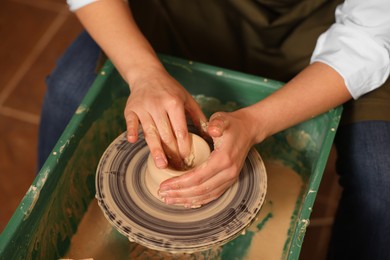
(66,87)
(362,228)
(362,225)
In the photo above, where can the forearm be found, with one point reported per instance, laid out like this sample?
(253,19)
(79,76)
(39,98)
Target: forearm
(112,26)
(315,90)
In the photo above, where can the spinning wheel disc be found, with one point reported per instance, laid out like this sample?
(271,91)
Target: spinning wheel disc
(129,206)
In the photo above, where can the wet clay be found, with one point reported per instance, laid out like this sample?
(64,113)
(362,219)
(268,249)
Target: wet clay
(200,151)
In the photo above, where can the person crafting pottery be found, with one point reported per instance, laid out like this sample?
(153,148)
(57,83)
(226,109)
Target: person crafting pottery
(329,53)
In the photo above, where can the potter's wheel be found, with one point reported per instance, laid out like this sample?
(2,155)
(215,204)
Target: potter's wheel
(144,219)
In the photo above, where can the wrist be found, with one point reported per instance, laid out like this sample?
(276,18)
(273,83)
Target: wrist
(141,72)
(257,127)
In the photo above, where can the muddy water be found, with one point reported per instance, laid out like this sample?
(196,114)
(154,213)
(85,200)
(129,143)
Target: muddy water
(266,238)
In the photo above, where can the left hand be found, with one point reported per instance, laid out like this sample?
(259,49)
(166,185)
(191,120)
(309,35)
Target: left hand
(233,135)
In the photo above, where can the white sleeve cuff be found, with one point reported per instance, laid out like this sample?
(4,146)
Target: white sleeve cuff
(357,48)
(76,4)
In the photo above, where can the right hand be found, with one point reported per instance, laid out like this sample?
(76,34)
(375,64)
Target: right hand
(160,104)
(233,136)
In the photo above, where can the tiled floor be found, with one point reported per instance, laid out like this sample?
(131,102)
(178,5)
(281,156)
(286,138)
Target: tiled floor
(32,36)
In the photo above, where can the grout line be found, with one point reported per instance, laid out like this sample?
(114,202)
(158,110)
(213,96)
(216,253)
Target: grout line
(46,5)
(20,115)
(32,57)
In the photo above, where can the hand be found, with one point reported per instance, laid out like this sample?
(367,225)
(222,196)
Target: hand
(160,104)
(233,135)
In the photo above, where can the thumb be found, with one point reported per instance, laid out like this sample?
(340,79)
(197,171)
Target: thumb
(218,124)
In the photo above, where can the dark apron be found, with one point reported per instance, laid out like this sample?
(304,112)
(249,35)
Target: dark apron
(269,38)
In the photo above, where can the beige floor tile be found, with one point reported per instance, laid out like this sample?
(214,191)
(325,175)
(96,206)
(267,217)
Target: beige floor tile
(27,95)
(21,27)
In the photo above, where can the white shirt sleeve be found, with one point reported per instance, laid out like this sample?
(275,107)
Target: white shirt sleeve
(76,4)
(357,45)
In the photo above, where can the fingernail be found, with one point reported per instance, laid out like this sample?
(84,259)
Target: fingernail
(168,201)
(131,138)
(164,189)
(162,194)
(160,162)
(189,161)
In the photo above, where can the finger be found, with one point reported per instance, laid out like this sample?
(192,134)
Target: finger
(132,125)
(152,138)
(197,201)
(214,166)
(207,187)
(190,199)
(169,143)
(198,118)
(179,125)
(217,125)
